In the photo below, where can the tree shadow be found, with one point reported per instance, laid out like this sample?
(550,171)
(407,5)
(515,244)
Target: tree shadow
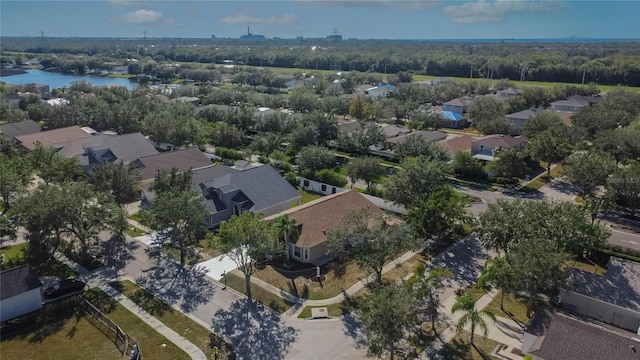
(353,328)
(254,331)
(186,286)
(116,252)
(464,259)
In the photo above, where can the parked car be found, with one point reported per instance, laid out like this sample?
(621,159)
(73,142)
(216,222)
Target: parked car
(64,287)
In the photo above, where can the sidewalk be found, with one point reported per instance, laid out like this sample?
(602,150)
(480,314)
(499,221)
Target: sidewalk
(97,279)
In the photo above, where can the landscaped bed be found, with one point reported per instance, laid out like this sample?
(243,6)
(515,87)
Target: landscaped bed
(178,322)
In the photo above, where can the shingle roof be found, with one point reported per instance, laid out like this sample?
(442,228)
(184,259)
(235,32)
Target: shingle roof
(182,160)
(17,281)
(619,286)
(564,337)
(48,138)
(348,127)
(26,127)
(325,214)
(572,102)
(524,114)
(119,148)
(425,134)
(505,141)
(391,131)
(456,145)
(461,101)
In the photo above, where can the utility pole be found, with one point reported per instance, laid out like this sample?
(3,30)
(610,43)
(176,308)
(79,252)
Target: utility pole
(144,34)
(41,35)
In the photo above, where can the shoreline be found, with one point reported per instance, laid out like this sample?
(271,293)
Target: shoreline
(11,72)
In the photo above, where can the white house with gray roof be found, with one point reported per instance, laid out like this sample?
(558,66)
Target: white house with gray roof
(518,119)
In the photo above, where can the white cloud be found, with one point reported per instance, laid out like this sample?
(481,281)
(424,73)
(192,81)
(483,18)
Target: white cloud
(141,16)
(244,18)
(499,10)
(129,3)
(397,4)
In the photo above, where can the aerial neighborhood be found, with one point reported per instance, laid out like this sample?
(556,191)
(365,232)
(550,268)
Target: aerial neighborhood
(322,198)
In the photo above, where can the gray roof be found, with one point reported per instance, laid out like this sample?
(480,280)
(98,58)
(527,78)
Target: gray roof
(430,136)
(262,186)
(391,131)
(570,103)
(524,114)
(564,337)
(110,148)
(619,286)
(182,160)
(348,127)
(20,128)
(17,281)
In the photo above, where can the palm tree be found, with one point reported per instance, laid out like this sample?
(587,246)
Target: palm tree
(471,315)
(287,229)
(498,273)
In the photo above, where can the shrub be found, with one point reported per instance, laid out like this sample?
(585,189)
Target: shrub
(330,177)
(291,178)
(229,153)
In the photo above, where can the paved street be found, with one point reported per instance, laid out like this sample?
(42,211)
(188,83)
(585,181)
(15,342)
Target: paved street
(625,239)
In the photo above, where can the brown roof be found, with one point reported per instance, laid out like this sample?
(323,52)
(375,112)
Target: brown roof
(457,144)
(461,101)
(183,160)
(48,138)
(565,116)
(505,141)
(325,214)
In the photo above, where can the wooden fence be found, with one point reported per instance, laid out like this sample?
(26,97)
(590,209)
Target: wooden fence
(127,345)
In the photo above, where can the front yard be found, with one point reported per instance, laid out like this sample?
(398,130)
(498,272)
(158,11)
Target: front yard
(459,348)
(235,280)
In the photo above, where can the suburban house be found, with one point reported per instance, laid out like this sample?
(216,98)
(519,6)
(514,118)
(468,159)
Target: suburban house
(57,102)
(50,137)
(568,105)
(294,84)
(318,187)
(11,130)
(613,298)
(101,148)
(507,93)
(227,191)
(590,99)
(485,148)
(182,160)
(458,105)
(379,91)
(434,82)
(430,136)
(517,120)
(120,70)
(454,120)
(455,145)
(391,131)
(188,100)
(14,98)
(552,335)
(316,218)
(20,292)
(42,89)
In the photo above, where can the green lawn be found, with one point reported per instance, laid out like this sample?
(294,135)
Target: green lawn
(178,322)
(152,344)
(16,255)
(134,231)
(540,181)
(306,197)
(475,292)
(52,340)
(342,308)
(268,299)
(459,348)
(514,306)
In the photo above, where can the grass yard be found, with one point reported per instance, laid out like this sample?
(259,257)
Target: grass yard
(459,347)
(15,255)
(342,308)
(405,269)
(587,265)
(235,280)
(475,292)
(178,322)
(134,231)
(539,182)
(306,197)
(54,339)
(514,306)
(152,344)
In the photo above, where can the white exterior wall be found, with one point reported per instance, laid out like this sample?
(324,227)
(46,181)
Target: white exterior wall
(600,310)
(20,304)
(317,187)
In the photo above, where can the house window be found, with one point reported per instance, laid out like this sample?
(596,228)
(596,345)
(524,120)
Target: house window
(296,251)
(324,187)
(306,254)
(236,209)
(333,190)
(305,183)
(481,148)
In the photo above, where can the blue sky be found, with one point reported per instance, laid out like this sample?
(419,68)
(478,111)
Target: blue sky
(379,19)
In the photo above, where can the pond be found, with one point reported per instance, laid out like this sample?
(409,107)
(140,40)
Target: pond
(58,80)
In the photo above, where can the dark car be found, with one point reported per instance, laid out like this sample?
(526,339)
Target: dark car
(64,287)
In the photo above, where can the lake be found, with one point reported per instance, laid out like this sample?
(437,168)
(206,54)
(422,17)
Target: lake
(57,80)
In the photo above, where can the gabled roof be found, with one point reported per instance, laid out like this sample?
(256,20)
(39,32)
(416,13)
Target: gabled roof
(524,114)
(619,286)
(450,115)
(505,141)
(461,101)
(18,280)
(564,337)
(325,214)
(349,127)
(182,160)
(572,102)
(107,148)
(391,131)
(427,135)
(26,127)
(589,99)
(457,144)
(48,138)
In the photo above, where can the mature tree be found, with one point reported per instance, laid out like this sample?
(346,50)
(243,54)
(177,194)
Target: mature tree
(541,122)
(226,135)
(419,146)
(599,203)
(120,180)
(388,315)
(325,126)
(303,100)
(485,108)
(622,143)
(367,169)
(175,125)
(625,184)
(301,137)
(418,176)
(588,171)
(7,229)
(549,146)
(508,165)
(245,238)
(435,214)
(498,272)
(15,174)
(361,139)
(52,167)
(370,241)
(471,315)
(425,120)
(360,108)
(287,229)
(172,180)
(315,158)
(466,166)
(427,286)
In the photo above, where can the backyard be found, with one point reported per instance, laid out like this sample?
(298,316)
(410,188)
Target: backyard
(15,255)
